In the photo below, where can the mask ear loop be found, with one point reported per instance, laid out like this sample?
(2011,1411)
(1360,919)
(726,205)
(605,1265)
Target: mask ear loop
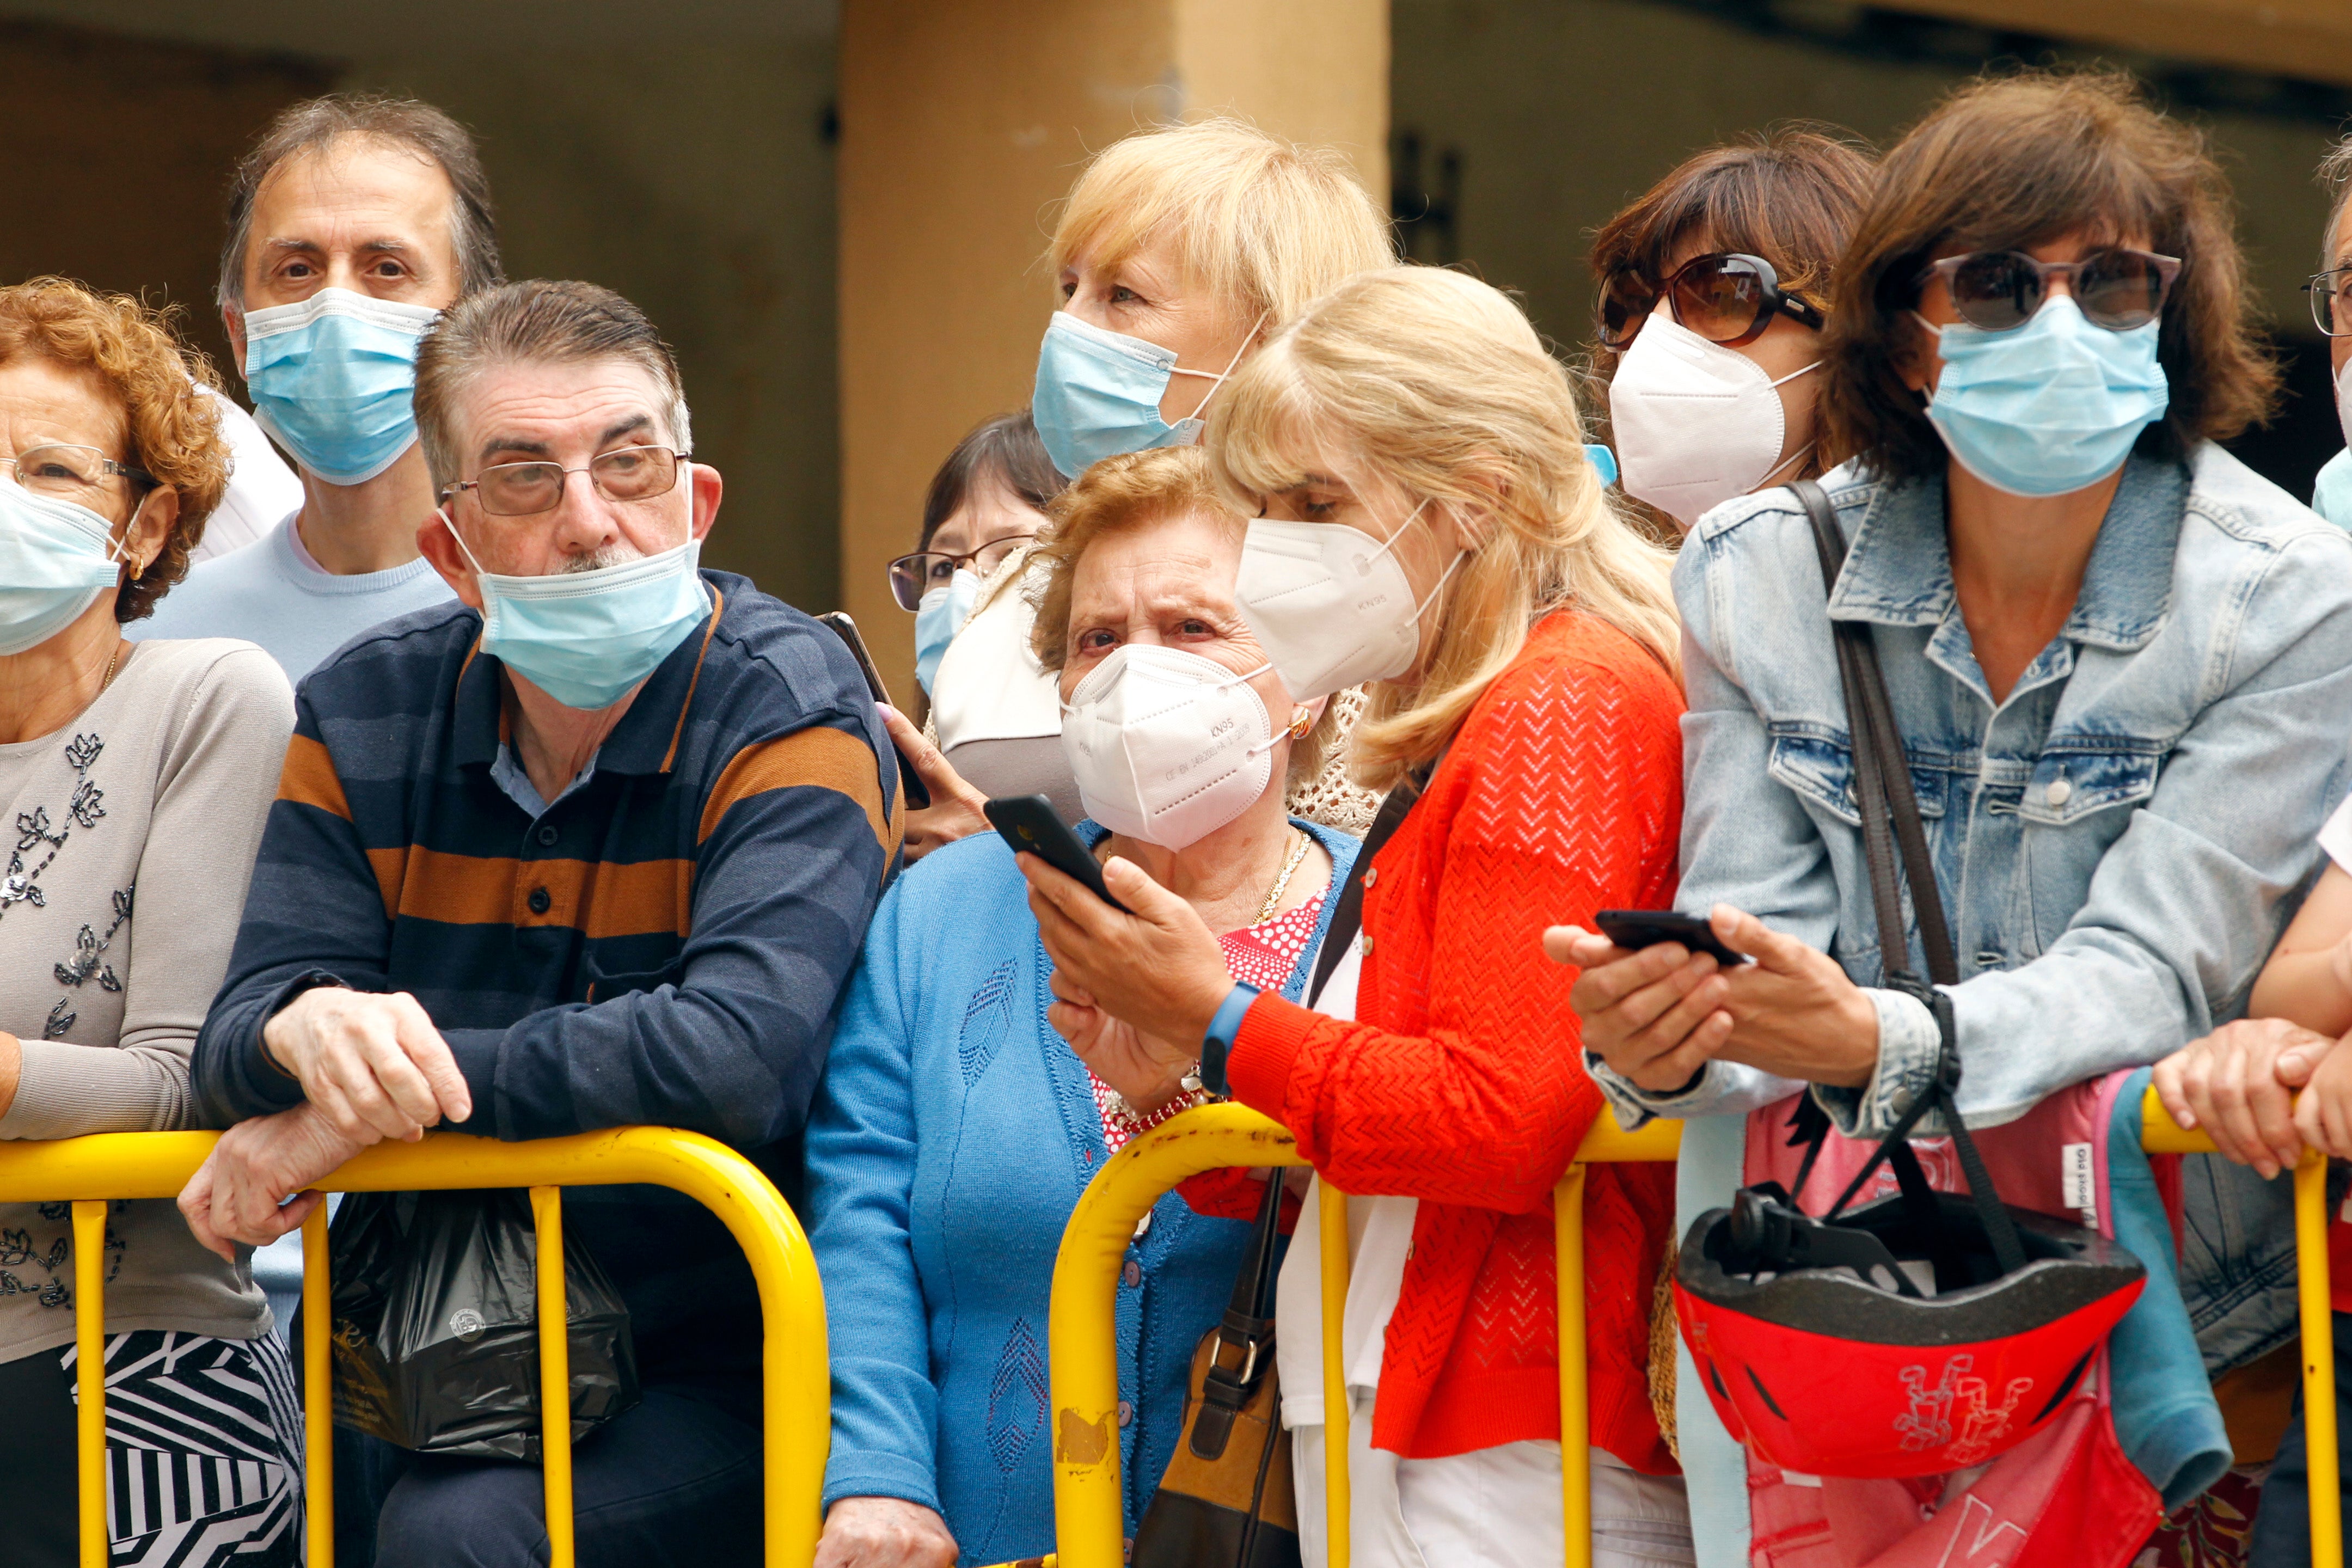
(1777,469)
(450,523)
(1219,377)
(1390,544)
(118,549)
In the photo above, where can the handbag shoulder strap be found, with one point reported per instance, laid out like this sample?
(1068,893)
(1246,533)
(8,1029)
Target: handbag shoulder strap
(1348,917)
(1882,777)
(1891,824)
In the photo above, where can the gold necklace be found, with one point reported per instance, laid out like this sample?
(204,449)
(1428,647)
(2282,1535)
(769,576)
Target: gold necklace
(1282,879)
(107,678)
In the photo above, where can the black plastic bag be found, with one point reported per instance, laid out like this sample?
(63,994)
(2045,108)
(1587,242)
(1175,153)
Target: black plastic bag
(436,1324)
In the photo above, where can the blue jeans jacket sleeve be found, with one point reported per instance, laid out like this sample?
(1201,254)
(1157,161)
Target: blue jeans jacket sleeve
(861,1165)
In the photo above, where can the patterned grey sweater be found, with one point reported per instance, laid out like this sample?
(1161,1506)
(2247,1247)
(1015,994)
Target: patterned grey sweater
(135,831)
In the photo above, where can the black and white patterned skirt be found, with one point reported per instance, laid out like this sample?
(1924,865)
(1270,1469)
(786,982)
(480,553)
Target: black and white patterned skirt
(204,1451)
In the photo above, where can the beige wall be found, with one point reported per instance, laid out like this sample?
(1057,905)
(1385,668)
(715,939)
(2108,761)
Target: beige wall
(962,122)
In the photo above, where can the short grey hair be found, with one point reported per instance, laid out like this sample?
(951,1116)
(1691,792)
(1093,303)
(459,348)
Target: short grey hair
(532,323)
(2336,176)
(318,123)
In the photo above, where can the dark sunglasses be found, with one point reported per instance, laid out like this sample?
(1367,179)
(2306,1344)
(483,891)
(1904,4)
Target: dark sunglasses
(1728,298)
(2000,290)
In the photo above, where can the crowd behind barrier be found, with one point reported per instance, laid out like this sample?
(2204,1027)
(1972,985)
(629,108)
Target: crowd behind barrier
(1936,737)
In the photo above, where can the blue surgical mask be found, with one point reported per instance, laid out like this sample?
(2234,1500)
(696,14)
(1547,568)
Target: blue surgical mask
(1098,393)
(55,559)
(2050,407)
(585,638)
(332,380)
(939,616)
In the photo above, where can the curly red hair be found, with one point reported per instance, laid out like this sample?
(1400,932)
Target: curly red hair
(176,433)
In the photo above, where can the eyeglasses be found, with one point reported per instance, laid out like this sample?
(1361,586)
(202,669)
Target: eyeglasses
(912,576)
(1728,298)
(72,473)
(2000,290)
(526,489)
(2331,300)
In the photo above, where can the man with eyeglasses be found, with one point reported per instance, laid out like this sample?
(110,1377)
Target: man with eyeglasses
(2330,291)
(594,847)
(353,222)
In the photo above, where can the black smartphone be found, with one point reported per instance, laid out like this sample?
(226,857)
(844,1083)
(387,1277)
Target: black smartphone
(1633,929)
(1027,822)
(842,626)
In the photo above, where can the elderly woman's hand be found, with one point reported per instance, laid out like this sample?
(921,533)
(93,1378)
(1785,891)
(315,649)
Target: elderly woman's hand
(1157,970)
(883,1532)
(954,812)
(240,1192)
(2238,1085)
(1148,1073)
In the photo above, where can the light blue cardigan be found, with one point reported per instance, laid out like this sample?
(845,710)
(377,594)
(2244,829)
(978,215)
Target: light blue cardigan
(951,1137)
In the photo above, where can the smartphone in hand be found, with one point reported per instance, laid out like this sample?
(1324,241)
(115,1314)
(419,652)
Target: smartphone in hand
(1634,929)
(1027,822)
(842,626)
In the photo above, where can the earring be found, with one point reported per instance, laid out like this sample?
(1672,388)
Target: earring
(1301,720)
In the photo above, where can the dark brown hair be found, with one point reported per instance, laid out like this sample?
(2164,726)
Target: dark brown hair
(2008,162)
(1790,195)
(419,128)
(1003,450)
(174,430)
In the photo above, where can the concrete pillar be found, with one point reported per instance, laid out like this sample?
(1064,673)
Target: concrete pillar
(962,122)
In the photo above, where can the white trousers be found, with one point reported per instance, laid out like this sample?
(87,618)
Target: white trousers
(1494,1508)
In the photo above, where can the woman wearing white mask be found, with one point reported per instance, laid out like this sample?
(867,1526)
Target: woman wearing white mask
(138,776)
(1428,522)
(1714,288)
(2118,659)
(1178,251)
(955,1131)
(998,730)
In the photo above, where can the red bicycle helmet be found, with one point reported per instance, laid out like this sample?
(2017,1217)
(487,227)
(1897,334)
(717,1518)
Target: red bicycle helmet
(1922,1333)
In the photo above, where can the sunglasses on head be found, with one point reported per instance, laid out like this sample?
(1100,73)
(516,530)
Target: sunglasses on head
(2000,290)
(1728,298)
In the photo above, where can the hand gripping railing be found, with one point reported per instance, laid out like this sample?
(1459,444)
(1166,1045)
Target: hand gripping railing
(1089,1519)
(796,1388)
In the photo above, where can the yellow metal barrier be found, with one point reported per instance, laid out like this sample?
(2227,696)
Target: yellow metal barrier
(1088,1517)
(795,1387)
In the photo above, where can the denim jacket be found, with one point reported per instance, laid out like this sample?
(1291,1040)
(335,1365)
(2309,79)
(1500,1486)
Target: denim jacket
(2119,843)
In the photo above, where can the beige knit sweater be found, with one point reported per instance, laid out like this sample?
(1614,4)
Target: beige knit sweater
(135,831)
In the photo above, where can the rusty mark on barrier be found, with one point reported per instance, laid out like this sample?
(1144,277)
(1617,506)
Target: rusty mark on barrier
(1080,1441)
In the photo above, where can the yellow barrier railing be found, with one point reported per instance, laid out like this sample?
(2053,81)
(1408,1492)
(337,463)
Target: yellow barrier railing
(795,1387)
(1088,1517)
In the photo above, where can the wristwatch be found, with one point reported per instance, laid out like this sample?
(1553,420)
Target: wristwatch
(1219,1040)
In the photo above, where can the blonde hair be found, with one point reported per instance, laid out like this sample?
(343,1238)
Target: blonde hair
(1120,495)
(1264,225)
(1436,382)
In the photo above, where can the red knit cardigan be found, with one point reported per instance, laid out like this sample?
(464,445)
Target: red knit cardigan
(1463,1084)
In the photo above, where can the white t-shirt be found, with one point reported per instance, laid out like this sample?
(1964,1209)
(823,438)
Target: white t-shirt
(261,488)
(2336,835)
(1379,1238)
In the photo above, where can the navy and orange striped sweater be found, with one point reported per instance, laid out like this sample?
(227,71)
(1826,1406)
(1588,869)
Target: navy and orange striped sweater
(663,943)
